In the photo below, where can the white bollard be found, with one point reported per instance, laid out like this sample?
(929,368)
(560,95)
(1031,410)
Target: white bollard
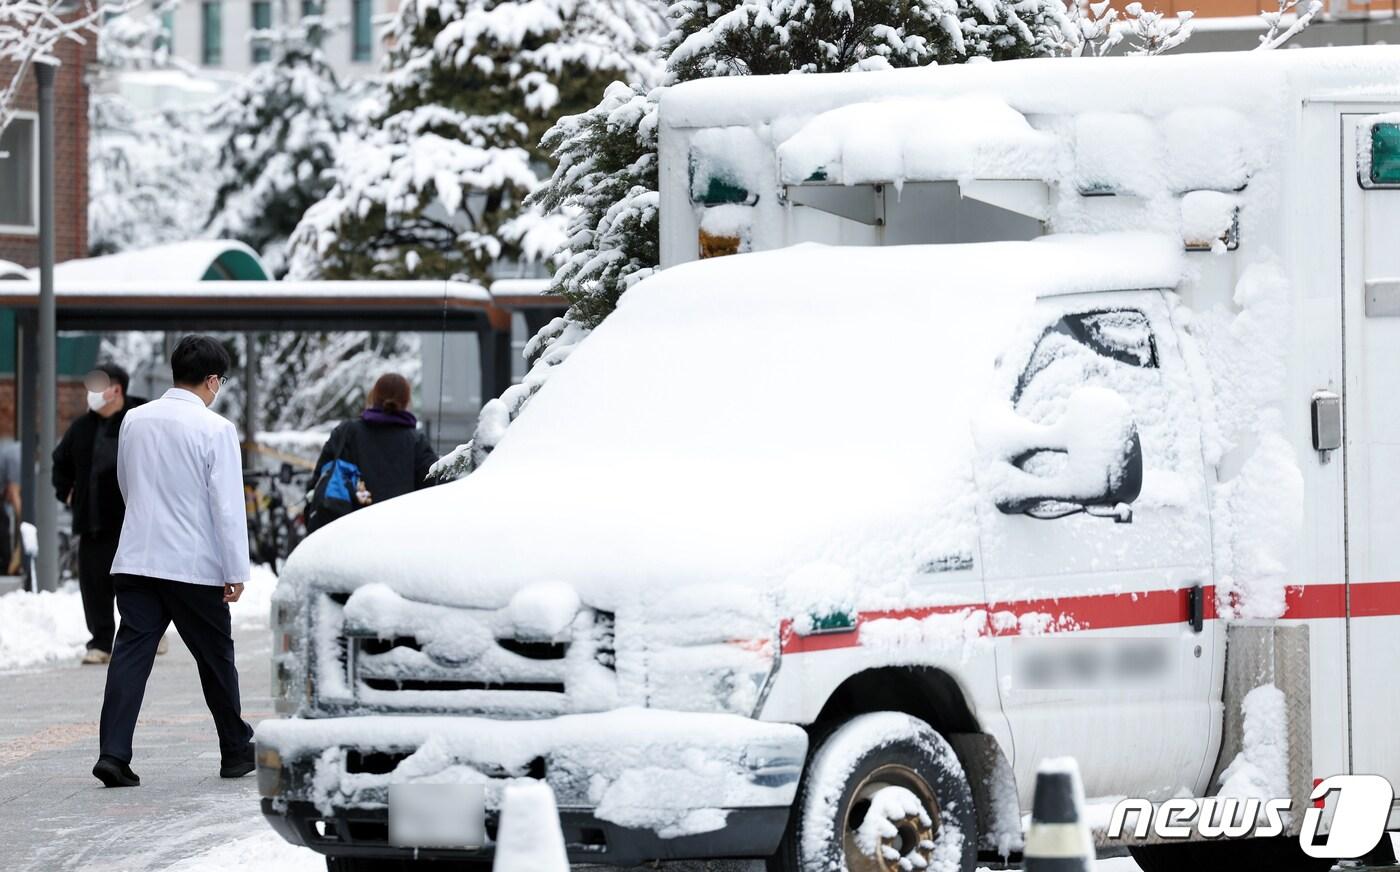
(1059,839)
(528,838)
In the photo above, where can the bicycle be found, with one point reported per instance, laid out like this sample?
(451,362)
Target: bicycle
(274,526)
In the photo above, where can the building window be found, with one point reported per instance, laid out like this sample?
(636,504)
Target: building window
(262,21)
(310,8)
(165,40)
(364,31)
(19,180)
(212,33)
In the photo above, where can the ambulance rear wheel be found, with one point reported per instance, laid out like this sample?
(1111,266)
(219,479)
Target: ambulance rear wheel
(1237,855)
(882,792)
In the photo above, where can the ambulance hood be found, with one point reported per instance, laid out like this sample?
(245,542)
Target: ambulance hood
(790,421)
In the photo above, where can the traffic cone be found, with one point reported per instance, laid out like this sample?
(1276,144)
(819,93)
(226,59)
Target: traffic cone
(1059,839)
(528,838)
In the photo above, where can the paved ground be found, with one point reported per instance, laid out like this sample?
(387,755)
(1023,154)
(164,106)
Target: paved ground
(55,816)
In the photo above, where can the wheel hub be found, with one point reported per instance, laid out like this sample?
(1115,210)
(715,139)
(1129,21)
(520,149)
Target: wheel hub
(906,844)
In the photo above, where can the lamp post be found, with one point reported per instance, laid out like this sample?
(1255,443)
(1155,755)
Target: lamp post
(47,387)
(46,516)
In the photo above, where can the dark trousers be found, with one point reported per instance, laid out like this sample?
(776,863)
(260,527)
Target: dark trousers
(96,551)
(147,607)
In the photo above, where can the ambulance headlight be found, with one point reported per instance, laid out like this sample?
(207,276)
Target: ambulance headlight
(731,676)
(289,685)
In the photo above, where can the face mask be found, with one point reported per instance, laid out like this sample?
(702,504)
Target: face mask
(96,400)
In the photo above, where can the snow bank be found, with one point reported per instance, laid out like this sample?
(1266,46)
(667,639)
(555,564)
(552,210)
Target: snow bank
(37,628)
(254,608)
(264,852)
(918,139)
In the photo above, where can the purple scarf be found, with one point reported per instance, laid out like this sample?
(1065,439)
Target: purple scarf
(379,416)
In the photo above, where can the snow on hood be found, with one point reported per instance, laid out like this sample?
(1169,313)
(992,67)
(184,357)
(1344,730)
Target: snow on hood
(788,419)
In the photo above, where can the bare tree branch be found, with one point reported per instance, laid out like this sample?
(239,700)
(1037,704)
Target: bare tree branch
(32,30)
(1273,39)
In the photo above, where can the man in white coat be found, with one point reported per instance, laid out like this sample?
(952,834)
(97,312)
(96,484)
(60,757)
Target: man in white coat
(182,556)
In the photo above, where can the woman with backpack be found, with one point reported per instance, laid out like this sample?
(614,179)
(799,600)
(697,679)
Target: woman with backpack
(378,456)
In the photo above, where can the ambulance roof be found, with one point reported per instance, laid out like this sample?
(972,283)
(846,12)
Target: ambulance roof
(1248,81)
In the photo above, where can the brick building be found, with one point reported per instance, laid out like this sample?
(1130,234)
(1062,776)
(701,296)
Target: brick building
(1235,25)
(19,213)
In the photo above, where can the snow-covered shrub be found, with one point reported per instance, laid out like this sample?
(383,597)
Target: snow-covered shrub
(149,176)
(277,134)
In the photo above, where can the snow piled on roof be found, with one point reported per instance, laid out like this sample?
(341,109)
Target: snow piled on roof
(909,138)
(177,261)
(1145,85)
(807,407)
(9,270)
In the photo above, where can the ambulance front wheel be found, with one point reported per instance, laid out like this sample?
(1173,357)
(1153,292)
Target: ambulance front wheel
(882,792)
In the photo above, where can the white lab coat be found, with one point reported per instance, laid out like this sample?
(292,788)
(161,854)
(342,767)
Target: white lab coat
(180,473)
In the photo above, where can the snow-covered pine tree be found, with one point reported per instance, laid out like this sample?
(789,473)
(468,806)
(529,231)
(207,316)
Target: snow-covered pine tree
(760,37)
(148,176)
(277,132)
(607,156)
(149,171)
(437,185)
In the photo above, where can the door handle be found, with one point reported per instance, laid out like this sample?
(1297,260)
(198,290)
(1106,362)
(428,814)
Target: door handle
(1196,608)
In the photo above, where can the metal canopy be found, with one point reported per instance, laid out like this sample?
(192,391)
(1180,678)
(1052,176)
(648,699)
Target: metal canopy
(426,306)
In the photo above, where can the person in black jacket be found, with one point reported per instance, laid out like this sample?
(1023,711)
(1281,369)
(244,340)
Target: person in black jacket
(85,477)
(392,454)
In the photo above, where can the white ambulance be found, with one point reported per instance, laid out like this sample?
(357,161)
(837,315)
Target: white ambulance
(981,415)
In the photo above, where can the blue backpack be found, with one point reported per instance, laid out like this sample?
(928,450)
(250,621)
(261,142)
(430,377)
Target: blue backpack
(334,494)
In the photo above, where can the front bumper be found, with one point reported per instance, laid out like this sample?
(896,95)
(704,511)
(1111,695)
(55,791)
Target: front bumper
(632,784)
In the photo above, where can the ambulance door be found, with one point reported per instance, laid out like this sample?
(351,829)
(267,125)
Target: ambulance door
(1097,655)
(1371,277)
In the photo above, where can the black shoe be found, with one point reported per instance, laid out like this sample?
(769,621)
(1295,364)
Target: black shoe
(114,773)
(236,767)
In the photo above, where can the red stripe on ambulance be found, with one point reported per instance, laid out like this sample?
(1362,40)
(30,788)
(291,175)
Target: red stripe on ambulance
(1113,611)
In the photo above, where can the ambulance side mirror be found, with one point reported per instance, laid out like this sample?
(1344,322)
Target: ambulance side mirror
(1089,461)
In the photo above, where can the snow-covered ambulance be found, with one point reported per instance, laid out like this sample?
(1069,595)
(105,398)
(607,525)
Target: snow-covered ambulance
(981,415)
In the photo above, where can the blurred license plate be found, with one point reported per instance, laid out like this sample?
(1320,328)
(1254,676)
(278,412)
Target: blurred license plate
(437,815)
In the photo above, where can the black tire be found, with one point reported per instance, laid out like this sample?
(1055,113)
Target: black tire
(374,864)
(1276,854)
(853,763)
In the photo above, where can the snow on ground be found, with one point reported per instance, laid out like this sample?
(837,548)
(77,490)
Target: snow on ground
(39,628)
(265,851)
(255,606)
